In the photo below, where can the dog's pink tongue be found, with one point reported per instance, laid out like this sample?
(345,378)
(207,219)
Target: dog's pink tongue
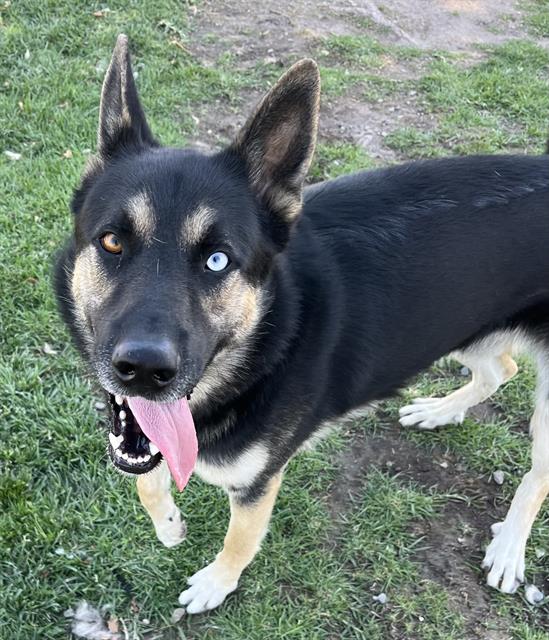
(170,426)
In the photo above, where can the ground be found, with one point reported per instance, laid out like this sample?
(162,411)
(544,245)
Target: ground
(375,508)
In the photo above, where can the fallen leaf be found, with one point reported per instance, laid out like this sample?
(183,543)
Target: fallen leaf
(67,154)
(113,625)
(13,155)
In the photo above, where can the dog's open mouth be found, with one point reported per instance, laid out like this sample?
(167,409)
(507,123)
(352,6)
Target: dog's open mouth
(129,448)
(143,432)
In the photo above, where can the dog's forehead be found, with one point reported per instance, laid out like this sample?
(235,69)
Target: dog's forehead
(174,195)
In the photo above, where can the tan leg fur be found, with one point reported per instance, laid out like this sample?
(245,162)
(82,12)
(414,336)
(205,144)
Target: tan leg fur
(155,495)
(247,528)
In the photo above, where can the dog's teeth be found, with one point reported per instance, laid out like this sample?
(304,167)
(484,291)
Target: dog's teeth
(122,415)
(125,456)
(146,458)
(153,449)
(115,441)
(119,400)
(122,423)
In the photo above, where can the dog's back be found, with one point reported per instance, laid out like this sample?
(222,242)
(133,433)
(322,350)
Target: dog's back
(433,253)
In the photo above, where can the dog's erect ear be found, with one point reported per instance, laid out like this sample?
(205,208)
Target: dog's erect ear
(122,123)
(278,141)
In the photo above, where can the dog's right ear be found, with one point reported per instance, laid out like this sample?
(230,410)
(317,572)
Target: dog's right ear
(122,123)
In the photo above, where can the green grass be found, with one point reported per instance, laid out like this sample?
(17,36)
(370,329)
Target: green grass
(70,527)
(537,17)
(351,62)
(336,159)
(502,103)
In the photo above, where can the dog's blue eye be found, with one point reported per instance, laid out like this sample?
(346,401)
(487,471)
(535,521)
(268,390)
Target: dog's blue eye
(217,261)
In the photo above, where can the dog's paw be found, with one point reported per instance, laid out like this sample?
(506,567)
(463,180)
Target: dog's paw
(171,530)
(429,413)
(208,588)
(504,559)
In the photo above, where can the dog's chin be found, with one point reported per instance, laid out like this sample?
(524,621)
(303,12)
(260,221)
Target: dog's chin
(130,451)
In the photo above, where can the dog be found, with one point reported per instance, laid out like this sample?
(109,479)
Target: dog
(230,313)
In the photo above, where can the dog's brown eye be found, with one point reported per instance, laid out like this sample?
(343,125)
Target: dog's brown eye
(111,243)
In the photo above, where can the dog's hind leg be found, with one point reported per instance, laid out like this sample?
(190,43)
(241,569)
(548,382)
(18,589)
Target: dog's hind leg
(156,497)
(504,557)
(490,366)
(248,525)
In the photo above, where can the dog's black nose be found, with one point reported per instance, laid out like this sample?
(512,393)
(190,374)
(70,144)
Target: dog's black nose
(145,365)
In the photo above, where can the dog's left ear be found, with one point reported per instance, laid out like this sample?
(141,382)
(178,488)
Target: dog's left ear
(277,142)
(122,123)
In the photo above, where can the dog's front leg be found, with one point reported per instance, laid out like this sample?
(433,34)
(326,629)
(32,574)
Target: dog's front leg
(156,497)
(247,527)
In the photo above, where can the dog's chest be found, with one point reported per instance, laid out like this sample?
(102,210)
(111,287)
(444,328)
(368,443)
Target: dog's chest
(239,472)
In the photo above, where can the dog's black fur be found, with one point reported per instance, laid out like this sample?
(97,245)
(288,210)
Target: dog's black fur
(380,274)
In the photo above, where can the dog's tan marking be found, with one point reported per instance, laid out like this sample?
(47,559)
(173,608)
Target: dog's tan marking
(247,528)
(140,210)
(234,304)
(155,495)
(89,286)
(196,226)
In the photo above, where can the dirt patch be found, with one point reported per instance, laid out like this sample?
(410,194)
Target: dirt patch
(451,25)
(279,32)
(452,544)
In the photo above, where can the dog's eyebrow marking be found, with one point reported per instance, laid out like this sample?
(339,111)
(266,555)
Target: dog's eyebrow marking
(197,225)
(141,214)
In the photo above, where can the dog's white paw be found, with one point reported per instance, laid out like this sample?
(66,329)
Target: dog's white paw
(429,413)
(171,530)
(504,559)
(208,588)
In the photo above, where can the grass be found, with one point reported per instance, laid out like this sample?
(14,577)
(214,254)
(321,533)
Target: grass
(336,159)
(538,17)
(70,527)
(498,104)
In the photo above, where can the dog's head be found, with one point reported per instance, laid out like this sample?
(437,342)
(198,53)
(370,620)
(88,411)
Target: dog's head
(165,279)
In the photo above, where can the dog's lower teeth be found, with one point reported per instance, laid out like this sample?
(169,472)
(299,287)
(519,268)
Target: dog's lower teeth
(115,441)
(119,400)
(122,415)
(122,423)
(153,449)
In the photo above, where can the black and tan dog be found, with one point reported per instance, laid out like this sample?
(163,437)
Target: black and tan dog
(280,308)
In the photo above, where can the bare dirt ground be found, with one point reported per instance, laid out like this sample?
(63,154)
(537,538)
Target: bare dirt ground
(281,31)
